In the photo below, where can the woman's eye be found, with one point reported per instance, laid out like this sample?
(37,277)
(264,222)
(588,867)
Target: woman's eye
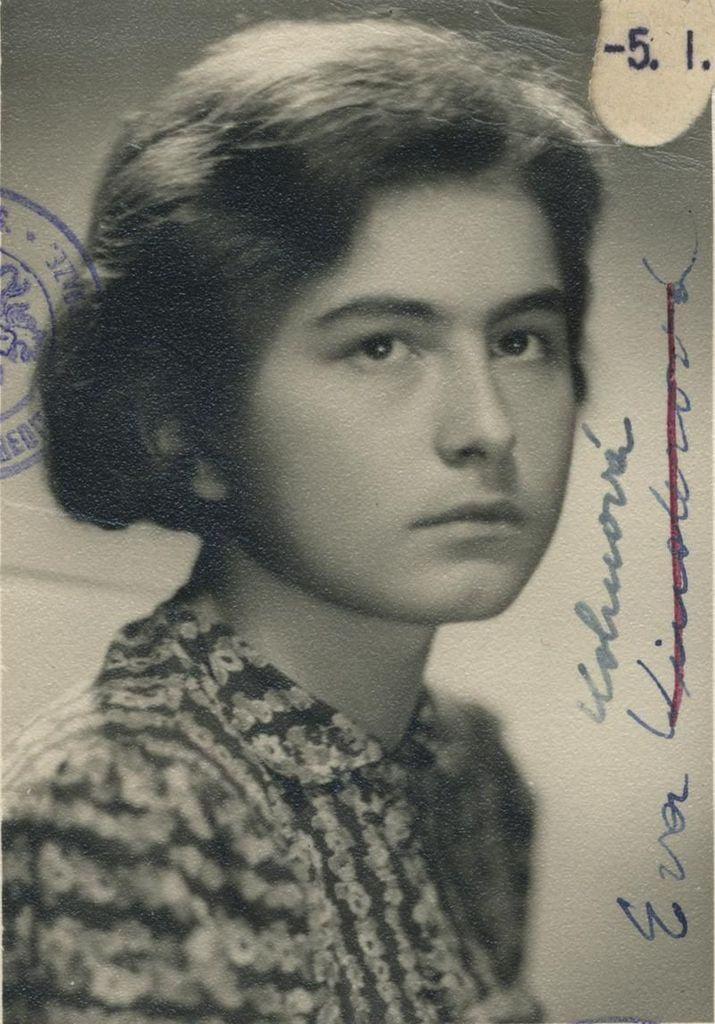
(380,348)
(521,344)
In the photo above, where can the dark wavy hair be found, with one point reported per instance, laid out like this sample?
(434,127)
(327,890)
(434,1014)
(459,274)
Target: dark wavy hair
(244,183)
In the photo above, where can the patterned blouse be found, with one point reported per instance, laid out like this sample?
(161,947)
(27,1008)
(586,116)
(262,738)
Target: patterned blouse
(208,843)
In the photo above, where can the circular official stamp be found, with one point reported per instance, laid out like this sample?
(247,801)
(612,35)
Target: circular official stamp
(44,271)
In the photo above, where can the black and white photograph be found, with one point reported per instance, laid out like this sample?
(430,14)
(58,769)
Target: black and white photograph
(356,460)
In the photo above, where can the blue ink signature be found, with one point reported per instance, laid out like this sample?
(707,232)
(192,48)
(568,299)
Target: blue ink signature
(678,494)
(674,821)
(607,630)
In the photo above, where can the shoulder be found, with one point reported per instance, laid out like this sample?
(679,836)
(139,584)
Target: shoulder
(497,804)
(488,825)
(479,751)
(139,749)
(143,847)
(467,721)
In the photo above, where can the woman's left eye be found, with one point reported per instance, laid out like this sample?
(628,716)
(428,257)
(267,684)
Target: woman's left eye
(521,344)
(380,348)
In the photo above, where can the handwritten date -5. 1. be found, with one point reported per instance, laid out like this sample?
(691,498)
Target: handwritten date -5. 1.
(639,47)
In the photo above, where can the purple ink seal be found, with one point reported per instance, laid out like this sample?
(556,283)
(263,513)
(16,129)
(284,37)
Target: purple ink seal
(44,271)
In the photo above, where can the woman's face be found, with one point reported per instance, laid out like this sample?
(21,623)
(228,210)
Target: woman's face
(406,443)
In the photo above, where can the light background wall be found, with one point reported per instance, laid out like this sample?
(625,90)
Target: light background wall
(70,70)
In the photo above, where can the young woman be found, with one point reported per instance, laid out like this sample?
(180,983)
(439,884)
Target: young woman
(345,276)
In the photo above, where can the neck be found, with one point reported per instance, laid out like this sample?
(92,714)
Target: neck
(370,669)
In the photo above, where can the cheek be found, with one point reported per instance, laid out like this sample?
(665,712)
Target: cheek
(317,432)
(308,461)
(545,440)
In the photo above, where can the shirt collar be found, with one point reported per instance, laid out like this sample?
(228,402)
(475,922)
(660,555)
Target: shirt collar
(284,727)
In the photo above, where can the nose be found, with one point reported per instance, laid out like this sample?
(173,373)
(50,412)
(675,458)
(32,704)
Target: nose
(473,421)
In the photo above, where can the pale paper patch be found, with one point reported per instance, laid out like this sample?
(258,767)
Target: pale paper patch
(653,89)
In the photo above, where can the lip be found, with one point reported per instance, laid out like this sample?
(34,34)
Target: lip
(497,513)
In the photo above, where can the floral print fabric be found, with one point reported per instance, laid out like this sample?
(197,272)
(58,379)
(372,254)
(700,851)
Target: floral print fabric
(208,843)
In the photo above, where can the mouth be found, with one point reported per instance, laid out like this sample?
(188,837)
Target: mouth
(494,513)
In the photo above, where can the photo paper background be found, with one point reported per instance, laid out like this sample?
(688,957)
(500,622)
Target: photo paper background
(71,70)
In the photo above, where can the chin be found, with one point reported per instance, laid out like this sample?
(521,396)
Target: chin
(481,596)
(464,591)
(474,608)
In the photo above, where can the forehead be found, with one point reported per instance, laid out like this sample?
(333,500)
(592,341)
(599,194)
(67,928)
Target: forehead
(457,244)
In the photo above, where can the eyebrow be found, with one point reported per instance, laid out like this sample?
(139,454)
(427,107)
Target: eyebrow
(552,300)
(549,299)
(382,305)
